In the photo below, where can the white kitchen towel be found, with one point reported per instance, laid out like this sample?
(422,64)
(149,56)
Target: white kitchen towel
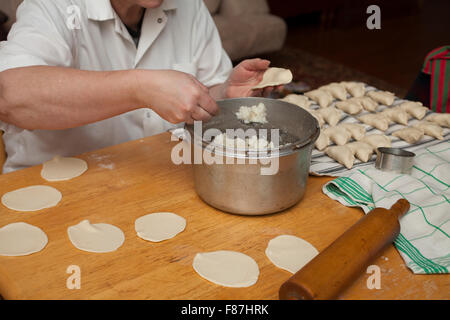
(424,240)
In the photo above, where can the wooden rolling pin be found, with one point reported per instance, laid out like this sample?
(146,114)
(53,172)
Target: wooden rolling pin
(340,264)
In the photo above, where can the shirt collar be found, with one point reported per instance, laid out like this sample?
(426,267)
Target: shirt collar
(99,10)
(102,10)
(169,5)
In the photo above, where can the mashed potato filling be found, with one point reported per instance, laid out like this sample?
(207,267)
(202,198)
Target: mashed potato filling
(255,113)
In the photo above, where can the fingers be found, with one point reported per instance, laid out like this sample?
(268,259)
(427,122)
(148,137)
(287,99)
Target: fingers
(267,91)
(256,93)
(208,104)
(199,114)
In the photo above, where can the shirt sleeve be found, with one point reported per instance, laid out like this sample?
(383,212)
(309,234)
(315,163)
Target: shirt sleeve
(213,64)
(39,37)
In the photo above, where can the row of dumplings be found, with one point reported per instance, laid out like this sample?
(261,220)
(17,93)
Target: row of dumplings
(345,152)
(365,145)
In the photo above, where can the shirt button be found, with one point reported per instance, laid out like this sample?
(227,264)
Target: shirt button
(160,20)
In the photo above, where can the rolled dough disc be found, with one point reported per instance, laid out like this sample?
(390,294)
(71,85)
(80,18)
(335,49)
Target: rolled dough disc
(227,268)
(59,168)
(99,237)
(21,239)
(290,253)
(275,77)
(159,226)
(32,198)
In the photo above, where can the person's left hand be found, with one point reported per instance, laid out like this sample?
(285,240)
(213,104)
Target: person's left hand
(244,77)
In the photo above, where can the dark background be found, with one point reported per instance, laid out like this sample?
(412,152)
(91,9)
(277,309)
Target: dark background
(328,40)
(336,30)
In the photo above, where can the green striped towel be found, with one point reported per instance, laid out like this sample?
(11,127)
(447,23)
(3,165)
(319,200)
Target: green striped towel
(424,239)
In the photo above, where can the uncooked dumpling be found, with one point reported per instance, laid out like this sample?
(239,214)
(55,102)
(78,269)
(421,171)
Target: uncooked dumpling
(442,119)
(60,168)
(366,103)
(331,115)
(338,135)
(384,97)
(376,120)
(416,109)
(227,268)
(336,90)
(341,154)
(299,100)
(410,135)
(32,198)
(322,97)
(357,131)
(99,237)
(363,151)
(377,141)
(356,89)
(397,115)
(349,106)
(159,226)
(290,253)
(275,77)
(322,141)
(431,129)
(318,117)
(21,239)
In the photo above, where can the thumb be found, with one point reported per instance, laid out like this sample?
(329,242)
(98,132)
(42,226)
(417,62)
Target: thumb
(256,64)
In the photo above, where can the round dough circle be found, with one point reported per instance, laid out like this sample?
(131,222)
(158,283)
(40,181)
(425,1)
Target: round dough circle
(227,268)
(290,253)
(60,169)
(21,239)
(32,198)
(99,237)
(159,226)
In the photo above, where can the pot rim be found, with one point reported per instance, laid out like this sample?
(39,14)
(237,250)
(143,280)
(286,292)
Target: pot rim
(284,150)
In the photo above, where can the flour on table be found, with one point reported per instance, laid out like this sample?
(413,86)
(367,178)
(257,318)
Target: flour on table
(99,237)
(21,239)
(99,157)
(32,198)
(159,226)
(109,166)
(290,253)
(62,168)
(227,268)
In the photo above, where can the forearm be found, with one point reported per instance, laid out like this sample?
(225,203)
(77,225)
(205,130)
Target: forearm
(53,98)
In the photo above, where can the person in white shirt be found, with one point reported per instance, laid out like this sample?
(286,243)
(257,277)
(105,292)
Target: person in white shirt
(73,78)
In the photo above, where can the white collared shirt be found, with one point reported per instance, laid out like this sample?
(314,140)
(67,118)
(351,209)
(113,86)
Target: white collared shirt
(89,35)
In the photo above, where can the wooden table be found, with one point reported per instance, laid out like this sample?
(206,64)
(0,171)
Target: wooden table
(136,178)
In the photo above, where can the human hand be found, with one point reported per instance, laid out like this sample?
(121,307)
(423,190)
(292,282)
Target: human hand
(245,76)
(175,96)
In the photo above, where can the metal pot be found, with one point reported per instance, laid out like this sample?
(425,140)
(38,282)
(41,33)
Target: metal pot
(237,185)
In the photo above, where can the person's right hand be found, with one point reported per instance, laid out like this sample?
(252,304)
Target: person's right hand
(175,96)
